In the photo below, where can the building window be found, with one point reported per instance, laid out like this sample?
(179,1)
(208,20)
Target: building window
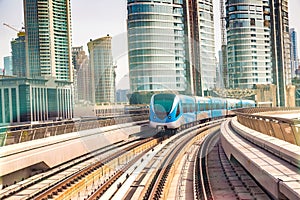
(252,22)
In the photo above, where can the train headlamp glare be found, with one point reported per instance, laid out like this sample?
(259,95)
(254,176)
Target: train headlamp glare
(169,117)
(154,117)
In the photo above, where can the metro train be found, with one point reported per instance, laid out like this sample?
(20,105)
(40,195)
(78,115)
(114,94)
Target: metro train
(171,111)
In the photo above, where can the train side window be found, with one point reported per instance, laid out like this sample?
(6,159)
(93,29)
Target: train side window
(201,105)
(192,107)
(184,108)
(178,111)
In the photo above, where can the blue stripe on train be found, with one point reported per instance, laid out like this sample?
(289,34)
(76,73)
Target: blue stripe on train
(218,113)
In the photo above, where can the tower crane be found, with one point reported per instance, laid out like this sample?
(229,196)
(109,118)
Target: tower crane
(20,33)
(9,26)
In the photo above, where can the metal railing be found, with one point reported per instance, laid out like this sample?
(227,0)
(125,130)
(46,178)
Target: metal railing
(9,135)
(281,128)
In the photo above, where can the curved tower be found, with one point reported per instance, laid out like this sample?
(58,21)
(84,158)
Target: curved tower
(156,46)
(248,43)
(207,47)
(102,70)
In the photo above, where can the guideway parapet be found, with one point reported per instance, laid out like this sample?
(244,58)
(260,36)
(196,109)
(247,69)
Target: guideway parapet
(274,163)
(266,121)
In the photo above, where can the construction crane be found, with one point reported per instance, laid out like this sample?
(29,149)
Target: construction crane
(20,33)
(9,26)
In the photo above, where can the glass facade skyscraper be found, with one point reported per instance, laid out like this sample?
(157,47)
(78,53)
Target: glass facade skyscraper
(102,70)
(156,42)
(280,48)
(7,65)
(82,80)
(171,46)
(48,36)
(207,47)
(294,52)
(248,43)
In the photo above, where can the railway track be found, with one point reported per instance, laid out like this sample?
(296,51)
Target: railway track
(159,181)
(57,180)
(194,166)
(155,180)
(192,161)
(80,180)
(97,193)
(36,179)
(216,177)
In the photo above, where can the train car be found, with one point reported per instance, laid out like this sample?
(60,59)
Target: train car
(233,104)
(203,108)
(171,111)
(218,107)
(247,104)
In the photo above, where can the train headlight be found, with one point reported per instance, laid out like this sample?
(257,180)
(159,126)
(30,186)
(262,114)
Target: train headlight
(169,117)
(154,117)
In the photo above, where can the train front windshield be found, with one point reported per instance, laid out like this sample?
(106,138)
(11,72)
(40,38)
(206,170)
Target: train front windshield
(163,104)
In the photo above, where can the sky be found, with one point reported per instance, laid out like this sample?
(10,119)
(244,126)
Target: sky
(92,19)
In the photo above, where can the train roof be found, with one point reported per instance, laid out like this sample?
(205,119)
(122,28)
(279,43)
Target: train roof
(234,100)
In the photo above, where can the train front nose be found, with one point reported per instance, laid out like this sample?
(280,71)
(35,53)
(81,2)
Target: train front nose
(161,106)
(160,112)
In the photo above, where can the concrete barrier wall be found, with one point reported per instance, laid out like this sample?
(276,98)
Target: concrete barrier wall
(278,176)
(17,160)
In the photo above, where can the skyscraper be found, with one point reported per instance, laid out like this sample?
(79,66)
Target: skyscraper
(7,65)
(280,48)
(248,43)
(18,48)
(157,46)
(82,81)
(171,47)
(294,52)
(46,92)
(202,27)
(48,39)
(101,64)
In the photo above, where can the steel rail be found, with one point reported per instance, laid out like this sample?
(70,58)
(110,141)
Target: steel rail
(69,181)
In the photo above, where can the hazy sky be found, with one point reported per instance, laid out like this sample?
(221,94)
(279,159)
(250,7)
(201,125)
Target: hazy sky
(92,19)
